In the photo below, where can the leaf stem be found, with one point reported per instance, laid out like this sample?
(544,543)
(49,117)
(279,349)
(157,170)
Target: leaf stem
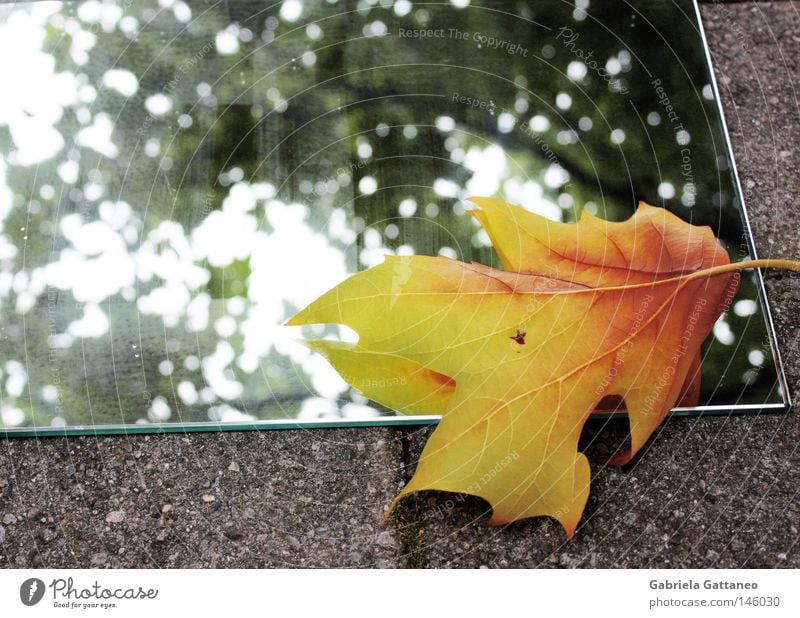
(768,263)
(699,274)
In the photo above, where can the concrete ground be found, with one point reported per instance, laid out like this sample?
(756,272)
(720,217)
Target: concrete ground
(713,492)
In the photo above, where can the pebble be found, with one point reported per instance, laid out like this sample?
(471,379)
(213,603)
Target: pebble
(233,534)
(2,535)
(8,519)
(115,517)
(234,467)
(385,539)
(166,509)
(99,559)
(46,535)
(208,498)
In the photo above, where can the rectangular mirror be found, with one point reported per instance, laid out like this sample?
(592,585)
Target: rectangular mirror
(178,178)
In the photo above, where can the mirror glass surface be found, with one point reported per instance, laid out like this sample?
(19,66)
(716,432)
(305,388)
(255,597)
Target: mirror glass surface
(178,178)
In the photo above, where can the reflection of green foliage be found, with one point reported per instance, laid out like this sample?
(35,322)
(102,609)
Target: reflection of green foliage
(229,281)
(275,118)
(722,363)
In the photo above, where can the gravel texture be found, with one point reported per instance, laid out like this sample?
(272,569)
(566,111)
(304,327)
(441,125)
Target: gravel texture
(713,492)
(269,499)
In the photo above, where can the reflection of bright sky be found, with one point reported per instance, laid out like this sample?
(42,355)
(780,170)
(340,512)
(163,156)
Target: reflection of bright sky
(290,261)
(38,96)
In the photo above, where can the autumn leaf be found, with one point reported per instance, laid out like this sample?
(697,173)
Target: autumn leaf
(516,360)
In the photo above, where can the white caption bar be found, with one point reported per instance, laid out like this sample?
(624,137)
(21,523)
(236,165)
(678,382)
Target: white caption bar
(401,593)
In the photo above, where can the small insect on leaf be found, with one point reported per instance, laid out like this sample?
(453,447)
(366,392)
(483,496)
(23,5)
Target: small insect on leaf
(519,337)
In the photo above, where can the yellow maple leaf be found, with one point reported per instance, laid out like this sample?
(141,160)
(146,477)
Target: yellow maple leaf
(516,360)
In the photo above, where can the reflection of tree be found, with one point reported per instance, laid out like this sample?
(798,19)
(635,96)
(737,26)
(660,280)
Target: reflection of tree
(337,112)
